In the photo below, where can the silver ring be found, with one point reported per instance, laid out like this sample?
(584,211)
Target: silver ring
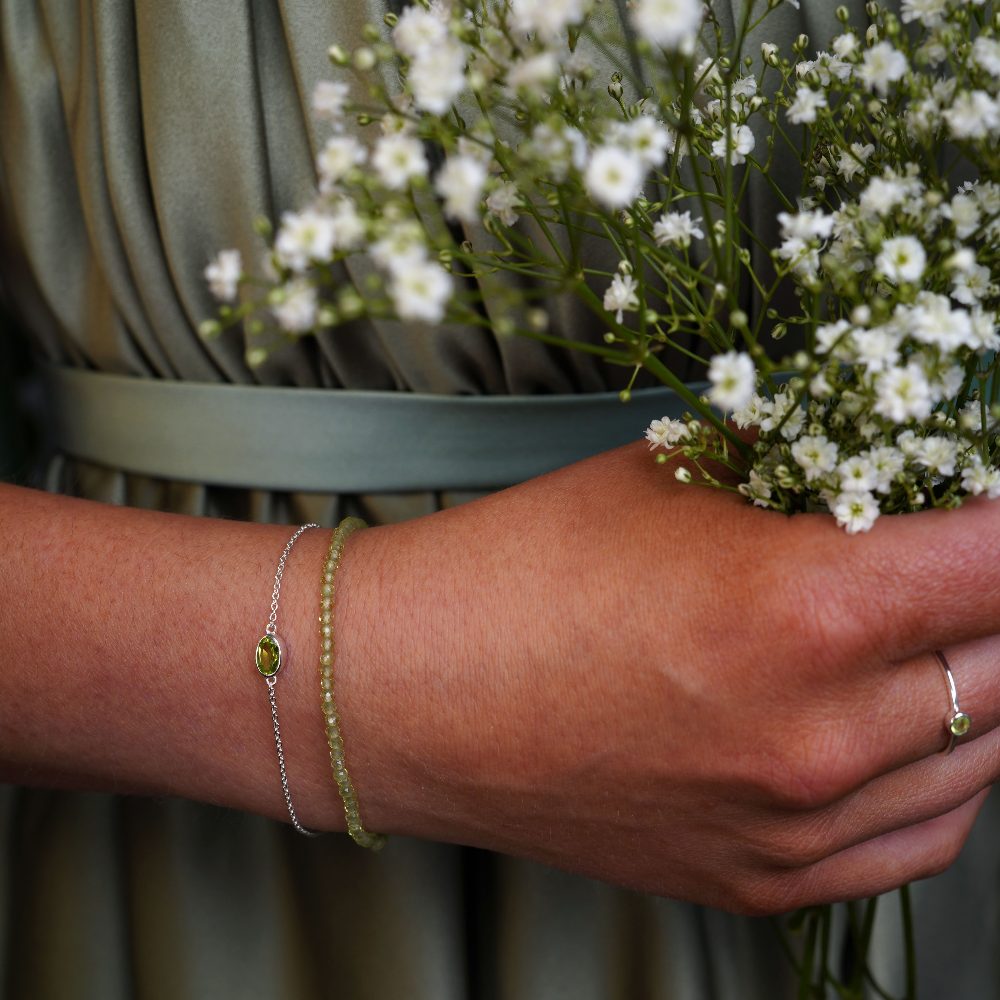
(956,723)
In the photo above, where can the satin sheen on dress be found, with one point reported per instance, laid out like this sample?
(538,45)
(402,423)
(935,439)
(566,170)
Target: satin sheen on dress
(137,140)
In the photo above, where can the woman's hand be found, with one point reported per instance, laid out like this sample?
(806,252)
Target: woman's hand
(663,687)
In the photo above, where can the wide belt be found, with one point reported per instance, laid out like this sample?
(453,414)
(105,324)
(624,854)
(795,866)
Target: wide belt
(335,440)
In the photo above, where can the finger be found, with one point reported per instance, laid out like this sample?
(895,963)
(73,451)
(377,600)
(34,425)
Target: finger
(910,704)
(903,798)
(914,582)
(876,866)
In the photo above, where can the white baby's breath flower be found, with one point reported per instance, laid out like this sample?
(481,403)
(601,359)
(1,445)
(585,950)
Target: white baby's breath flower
(855,512)
(887,463)
(340,155)
(621,295)
(978,478)
(421,291)
(460,183)
(614,176)
(400,246)
(646,138)
(329,100)
(986,55)
(504,202)
(223,274)
(750,415)
(740,144)
(882,65)
(938,454)
(677,228)
(903,394)
(535,71)
(547,19)
(733,379)
(666,433)
(902,260)
(852,161)
(815,455)
(295,306)
(305,237)
(419,30)
(398,159)
(671,24)
(437,77)
(856,475)
(930,13)
(973,115)
(802,110)
(757,489)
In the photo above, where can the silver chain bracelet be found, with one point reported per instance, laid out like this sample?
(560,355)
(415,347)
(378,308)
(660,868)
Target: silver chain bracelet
(271,655)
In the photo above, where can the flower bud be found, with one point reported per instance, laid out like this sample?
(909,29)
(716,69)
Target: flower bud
(682,475)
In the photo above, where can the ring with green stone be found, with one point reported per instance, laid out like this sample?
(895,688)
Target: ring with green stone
(956,723)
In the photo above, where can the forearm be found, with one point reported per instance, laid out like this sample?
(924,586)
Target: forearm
(129,666)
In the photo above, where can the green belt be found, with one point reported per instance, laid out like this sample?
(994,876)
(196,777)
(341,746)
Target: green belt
(335,440)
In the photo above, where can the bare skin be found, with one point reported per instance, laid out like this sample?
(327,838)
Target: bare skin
(600,669)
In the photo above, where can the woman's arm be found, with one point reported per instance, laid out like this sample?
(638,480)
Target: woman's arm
(600,669)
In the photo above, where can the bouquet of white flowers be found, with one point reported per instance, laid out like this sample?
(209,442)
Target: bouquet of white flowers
(507,136)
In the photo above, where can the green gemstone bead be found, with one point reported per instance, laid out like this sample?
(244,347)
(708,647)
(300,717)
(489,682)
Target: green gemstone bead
(960,724)
(268,656)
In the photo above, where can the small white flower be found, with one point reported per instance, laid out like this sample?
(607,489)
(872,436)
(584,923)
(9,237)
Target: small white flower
(930,13)
(903,394)
(677,228)
(460,183)
(972,285)
(986,54)
(856,475)
(547,19)
(855,512)
(419,31)
(399,159)
(337,159)
(881,66)
(400,247)
(329,100)
(535,71)
(740,145)
(751,414)
(304,237)
(295,308)
(802,110)
(902,260)
(757,489)
(614,176)
(421,291)
(973,115)
(223,274)
(887,463)
(647,139)
(437,77)
(733,380)
(671,24)
(666,433)
(620,296)
(979,478)
(816,455)
(852,162)
(963,210)
(504,202)
(938,454)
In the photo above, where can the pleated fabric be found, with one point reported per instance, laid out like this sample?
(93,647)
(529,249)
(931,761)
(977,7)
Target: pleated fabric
(137,140)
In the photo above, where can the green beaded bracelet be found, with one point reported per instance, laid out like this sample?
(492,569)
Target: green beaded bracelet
(334,740)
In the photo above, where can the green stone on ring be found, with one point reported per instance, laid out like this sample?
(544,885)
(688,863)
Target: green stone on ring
(268,656)
(959,724)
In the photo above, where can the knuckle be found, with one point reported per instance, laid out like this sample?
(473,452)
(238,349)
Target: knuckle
(814,769)
(764,896)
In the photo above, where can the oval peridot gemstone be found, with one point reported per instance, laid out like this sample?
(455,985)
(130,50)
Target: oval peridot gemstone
(268,656)
(960,724)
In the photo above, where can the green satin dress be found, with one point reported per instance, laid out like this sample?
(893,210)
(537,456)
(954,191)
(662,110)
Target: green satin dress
(137,140)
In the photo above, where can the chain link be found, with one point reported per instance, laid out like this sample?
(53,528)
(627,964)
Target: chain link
(271,629)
